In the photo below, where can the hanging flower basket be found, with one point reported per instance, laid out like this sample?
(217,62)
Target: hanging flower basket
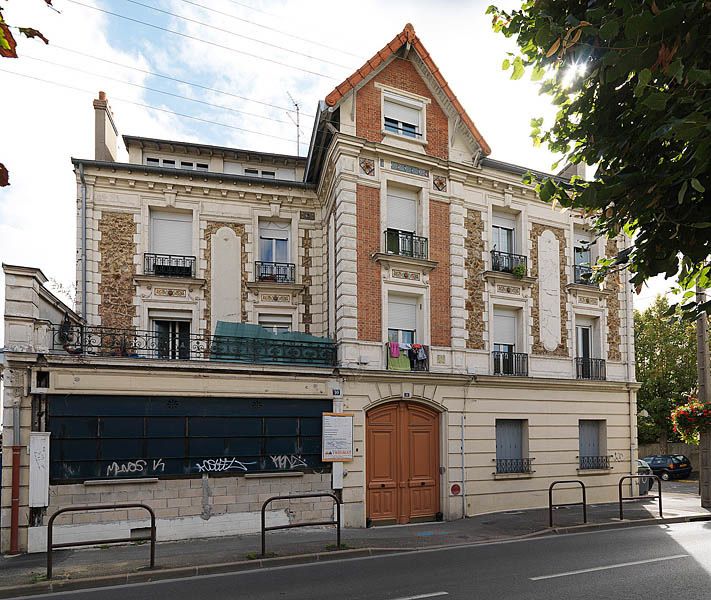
(690,419)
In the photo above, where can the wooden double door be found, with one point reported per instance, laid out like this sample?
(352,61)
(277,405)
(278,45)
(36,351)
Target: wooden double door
(402,463)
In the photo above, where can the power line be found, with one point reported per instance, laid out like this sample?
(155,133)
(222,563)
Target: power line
(198,39)
(175,79)
(227,31)
(274,29)
(150,89)
(156,108)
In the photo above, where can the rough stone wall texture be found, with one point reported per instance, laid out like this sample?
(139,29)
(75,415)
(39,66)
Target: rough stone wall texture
(211,228)
(538,348)
(205,497)
(117,249)
(368,272)
(440,282)
(307,245)
(474,284)
(612,285)
(401,74)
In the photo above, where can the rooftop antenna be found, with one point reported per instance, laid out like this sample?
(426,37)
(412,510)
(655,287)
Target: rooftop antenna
(297,122)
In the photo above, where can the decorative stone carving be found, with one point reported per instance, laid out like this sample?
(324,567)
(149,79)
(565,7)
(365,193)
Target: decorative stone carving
(408,275)
(508,289)
(171,292)
(117,269)
(307,215)
(555,244)
(396,166)
(367,165)
(589,300)
(275,298)
(474,284)
(439,183)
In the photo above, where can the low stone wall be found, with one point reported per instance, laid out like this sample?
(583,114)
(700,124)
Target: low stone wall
(184,508)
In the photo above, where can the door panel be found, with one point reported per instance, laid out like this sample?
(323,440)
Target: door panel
(402,463)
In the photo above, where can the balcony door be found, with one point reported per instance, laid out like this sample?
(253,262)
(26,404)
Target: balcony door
(171,233)
(584,341)
(503,234)
(274,241)
(402,209)
(402,463)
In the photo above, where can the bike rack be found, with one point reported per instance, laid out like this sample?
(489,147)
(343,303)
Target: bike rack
(151,537)
(551,506)
(647,497)
(337,522)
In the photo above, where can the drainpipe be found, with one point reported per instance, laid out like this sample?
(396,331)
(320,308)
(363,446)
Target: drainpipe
(15,491)
(83,242)
(631,377)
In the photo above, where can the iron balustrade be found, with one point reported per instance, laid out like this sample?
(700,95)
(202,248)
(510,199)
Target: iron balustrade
(508,263)
(135,343)
(510,363)
(89,507)
(647,497)
(514,465)
(337,522)
(583,274)
(406,243)
(590,368)
(594,462)
(551,506)
(168,265)
(274,271)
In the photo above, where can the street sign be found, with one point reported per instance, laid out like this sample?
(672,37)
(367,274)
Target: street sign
(337,437)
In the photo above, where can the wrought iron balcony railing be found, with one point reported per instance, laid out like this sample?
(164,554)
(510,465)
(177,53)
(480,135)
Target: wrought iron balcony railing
(274,271)
(594,462)
(86,340)
(168,265)
(590,368)
(406,243)
(514,465)
(509,263)
(583,274)
(510,363)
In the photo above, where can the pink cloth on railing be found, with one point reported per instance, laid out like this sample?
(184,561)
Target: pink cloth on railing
(394,349)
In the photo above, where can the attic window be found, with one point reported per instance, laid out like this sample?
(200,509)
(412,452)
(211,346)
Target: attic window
(403,116)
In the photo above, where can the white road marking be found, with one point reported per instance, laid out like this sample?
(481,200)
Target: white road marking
(432,595)
(617,566)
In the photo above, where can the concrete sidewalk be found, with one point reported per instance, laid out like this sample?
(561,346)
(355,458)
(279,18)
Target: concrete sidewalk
(207,553)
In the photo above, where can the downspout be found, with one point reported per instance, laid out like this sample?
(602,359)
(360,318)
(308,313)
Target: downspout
(83,242)
(631,370)
(15,491)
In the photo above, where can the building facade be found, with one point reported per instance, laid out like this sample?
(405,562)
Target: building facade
(227,299)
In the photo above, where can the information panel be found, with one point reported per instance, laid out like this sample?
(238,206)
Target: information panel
(337,440)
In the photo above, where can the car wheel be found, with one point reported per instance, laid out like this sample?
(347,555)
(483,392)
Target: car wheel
(665,476)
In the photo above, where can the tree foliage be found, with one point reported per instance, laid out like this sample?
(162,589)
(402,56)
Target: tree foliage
(666,368)
(8,49)
(632,83)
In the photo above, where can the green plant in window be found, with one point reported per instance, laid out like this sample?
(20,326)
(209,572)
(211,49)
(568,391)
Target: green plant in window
(519,271)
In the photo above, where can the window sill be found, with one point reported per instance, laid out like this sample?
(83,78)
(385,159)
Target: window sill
(389,135)
(594,471)
(164,280)
(136,480)
(528,475)
(273,475)
(398,260)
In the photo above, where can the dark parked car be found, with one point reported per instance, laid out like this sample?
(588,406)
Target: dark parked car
(669,466)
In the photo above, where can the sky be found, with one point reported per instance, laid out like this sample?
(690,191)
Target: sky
(240,66)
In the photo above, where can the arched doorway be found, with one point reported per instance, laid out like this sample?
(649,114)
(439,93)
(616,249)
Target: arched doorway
(402,463)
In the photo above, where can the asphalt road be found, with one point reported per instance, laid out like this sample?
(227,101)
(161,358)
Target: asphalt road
(669,562)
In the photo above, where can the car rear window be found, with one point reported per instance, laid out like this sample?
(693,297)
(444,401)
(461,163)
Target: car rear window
(680,459)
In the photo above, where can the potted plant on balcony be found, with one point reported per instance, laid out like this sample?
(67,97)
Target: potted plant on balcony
(519,271)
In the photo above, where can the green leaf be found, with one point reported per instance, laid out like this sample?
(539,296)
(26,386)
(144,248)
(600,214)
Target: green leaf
(656,101)
(644,77)
(609,30)
(537,73)
(505,65)
(682,192)
(517,68)
(696,184)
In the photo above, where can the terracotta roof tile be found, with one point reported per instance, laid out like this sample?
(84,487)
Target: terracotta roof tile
(407,35)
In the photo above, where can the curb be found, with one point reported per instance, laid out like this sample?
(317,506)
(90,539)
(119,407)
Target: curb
(146,576)
(64,585)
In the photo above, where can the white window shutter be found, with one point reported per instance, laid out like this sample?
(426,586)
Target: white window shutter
(504,327)
(402,210)
(172,233)
(402,313)
(402,113)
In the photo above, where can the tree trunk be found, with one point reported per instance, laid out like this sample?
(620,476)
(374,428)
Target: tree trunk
(663,440)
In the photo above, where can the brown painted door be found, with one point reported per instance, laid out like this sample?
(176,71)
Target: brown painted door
(402,463)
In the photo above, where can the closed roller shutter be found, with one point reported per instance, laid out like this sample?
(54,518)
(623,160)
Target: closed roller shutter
(171,233)
(402,210)
(402,313)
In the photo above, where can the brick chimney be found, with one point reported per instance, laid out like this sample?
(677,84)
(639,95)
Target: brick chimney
(105,131)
